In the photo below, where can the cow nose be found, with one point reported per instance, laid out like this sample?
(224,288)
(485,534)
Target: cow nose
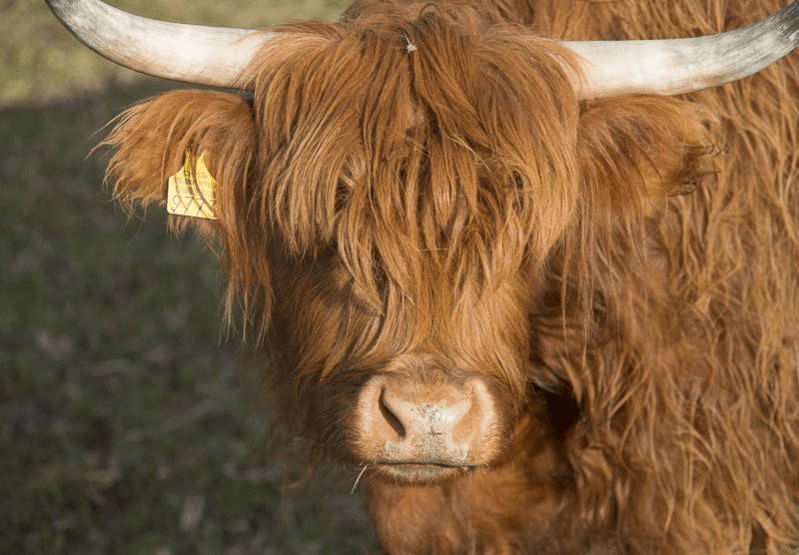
(412,420)
(445,422)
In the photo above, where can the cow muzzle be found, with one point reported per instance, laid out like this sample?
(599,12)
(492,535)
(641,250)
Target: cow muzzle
(425,430)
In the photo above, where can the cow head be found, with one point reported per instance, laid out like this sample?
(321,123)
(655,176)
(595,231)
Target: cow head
(384,216)
(398,197)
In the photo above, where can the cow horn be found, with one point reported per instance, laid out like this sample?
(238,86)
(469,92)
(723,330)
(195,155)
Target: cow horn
(213,56)
(678,66)
(217,56)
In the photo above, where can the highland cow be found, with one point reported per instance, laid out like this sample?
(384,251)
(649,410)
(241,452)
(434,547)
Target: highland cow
(541,293)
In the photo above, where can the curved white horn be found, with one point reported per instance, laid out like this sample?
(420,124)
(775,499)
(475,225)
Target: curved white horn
(213,56)
(217,56)
(680,66)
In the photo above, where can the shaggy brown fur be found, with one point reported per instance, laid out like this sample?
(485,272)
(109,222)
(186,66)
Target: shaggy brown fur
(624,273)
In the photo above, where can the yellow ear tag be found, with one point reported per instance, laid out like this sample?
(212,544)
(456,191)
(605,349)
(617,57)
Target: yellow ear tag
(192,193)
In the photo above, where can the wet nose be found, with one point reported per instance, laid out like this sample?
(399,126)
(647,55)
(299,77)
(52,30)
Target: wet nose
(411,420)
(406,421)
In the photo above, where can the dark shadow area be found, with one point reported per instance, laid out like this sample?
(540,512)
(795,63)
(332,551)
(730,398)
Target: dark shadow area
(126,423)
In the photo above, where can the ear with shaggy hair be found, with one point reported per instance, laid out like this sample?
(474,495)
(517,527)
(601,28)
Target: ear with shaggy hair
(636,151)
(633,154)
(151,140)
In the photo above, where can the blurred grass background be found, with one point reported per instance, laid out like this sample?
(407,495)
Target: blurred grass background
(126,424)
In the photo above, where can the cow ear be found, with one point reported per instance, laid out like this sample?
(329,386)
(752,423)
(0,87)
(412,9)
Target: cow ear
(151,141)
(636,151)
(165,137)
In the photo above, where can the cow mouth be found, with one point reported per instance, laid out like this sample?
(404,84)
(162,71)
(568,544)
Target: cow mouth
(418,473)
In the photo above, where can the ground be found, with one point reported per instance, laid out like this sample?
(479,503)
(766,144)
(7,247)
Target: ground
(127,423)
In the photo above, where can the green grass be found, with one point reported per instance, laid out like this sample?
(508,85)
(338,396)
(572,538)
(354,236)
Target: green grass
(40,61)
(126,425)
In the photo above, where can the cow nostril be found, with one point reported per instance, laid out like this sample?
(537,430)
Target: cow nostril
(412,418)
(389,416)
(443,422)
